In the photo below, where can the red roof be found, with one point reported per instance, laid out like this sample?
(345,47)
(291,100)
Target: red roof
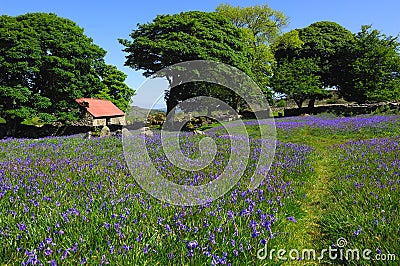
(100,108)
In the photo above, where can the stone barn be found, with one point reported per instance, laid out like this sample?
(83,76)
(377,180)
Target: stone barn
(100,112)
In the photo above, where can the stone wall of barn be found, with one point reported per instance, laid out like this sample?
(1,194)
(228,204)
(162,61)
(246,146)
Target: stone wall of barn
(89,120)
(99,122)
(86,120)
(120,120)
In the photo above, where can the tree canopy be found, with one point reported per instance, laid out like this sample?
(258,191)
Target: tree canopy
(114,87)
(194,35)
(373,70)
(264,23)
(327,41)
(323,43)
(363,67)
(299,80)
(261,25)
(45,63)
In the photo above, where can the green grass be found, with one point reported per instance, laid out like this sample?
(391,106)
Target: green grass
(316,178)
(363,205)
(75,190)
(323,217)
(336,208)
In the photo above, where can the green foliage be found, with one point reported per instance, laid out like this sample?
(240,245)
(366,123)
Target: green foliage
(45,63)
(114,87)
(287,45)
(263,22)
(194,35)
(373,72)
(323,43)
(261,25)
(281,103)
(298,79)
(327,41)
(386,110)
(12,102)
(364,67)
(36,121)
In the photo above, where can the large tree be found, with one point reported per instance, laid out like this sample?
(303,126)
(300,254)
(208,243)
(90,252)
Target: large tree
(194,35)
(323,43)
(287,46)
(45,63)
(299,80)
(261,25)
(373,70)
(114,87)
(328,42)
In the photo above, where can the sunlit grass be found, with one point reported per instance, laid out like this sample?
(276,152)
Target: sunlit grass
(71,200)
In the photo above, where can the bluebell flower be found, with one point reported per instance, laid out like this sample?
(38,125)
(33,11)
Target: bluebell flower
(192,244)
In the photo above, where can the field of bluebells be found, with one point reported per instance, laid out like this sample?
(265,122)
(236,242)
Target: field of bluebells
(71,201)
(365,208)
(326,125)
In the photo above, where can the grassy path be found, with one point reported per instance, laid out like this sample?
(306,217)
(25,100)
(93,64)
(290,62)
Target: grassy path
(307,233)
(318,193)
(310,230)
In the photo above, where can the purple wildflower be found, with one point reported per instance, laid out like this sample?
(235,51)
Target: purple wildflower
(192,244)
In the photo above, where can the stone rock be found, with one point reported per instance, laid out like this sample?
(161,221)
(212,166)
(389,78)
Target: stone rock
(88,135)
(143,129)
(146,131)
(57,124)
(105,132)
(198,132)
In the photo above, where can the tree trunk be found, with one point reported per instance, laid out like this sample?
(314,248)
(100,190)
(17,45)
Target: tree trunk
(311,103)
(169,123)
(299,103)
(12,126)
(237,104)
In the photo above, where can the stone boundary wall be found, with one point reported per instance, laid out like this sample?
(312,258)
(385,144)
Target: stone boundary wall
(25,131)
(342,109)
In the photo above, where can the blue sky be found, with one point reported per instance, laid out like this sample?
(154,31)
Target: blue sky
(106,21)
